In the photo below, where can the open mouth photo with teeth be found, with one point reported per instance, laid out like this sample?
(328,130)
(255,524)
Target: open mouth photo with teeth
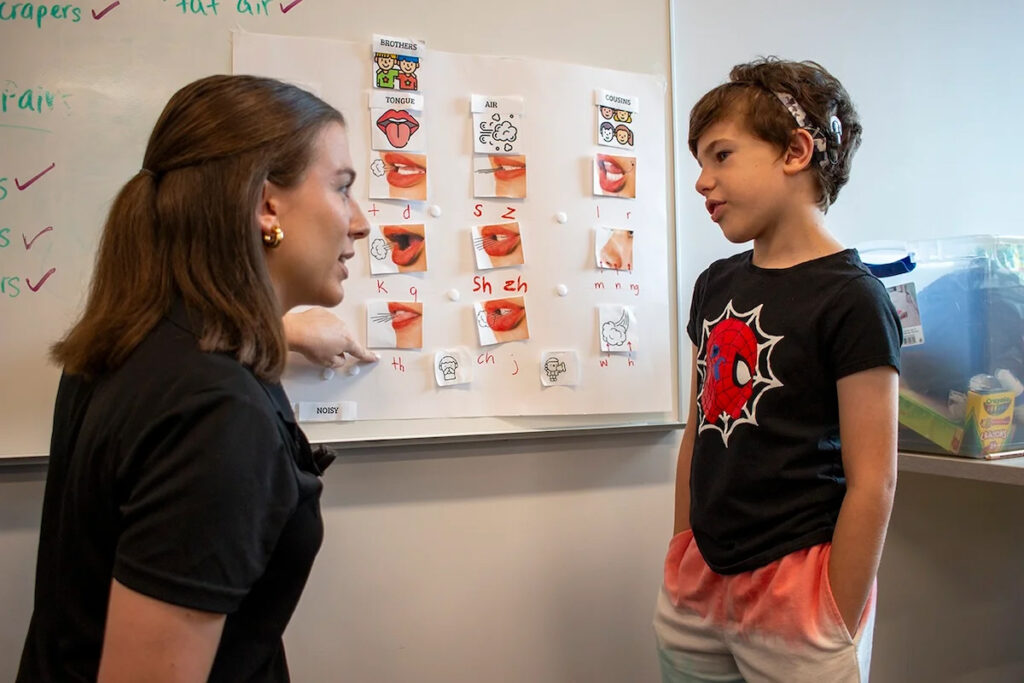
(394,324)
(505,319)
(398,175)
(615,175)
(500,176)
(497,245)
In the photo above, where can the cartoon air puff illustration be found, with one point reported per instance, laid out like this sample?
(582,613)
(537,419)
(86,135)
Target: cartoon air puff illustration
(614,333)
(499,133)
(448,365)
(379,249)
(617,328)
(554,367)
(407,66)
(386,71)
(607,131)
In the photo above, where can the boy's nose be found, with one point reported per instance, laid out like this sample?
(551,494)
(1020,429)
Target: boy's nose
(703,184)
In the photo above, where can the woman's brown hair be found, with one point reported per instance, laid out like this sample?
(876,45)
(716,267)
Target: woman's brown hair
(186,225)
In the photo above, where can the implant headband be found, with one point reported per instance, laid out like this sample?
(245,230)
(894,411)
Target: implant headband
(826,154)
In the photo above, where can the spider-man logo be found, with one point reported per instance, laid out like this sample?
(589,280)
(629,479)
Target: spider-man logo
(731,367)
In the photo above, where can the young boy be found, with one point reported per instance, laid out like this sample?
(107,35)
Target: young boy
(787,467)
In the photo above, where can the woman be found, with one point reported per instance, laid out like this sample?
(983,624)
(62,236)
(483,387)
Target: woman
(181,513)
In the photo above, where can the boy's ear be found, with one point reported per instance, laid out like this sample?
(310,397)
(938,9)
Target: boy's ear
(798,154)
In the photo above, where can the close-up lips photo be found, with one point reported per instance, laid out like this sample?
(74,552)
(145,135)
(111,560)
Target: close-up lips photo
(504,314)
(406,244)
(611,175)
(405,170)
(500,240)
(403,315)
(398,126)
(508,167)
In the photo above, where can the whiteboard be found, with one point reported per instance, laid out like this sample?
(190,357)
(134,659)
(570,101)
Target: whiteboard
(103,81)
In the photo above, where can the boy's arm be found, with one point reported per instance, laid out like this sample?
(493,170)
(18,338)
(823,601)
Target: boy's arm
(867,430)
(682,518)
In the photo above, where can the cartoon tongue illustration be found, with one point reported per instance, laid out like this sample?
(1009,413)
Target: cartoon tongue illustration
(398,126)
(398,133)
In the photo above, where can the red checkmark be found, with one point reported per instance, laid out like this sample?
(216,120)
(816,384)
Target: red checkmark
(105,10)
(28,244)
(43,279)
(286,8)
(34,178)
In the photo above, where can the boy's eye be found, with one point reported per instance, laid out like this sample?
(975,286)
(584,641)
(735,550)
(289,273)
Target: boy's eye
(721,155)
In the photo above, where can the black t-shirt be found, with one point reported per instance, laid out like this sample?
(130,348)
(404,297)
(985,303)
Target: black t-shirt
(185,478)
(767,476)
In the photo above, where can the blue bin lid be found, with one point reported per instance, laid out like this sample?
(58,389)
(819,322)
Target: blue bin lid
(887,259)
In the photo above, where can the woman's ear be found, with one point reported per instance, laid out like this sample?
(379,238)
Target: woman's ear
(799,153)
(269,206)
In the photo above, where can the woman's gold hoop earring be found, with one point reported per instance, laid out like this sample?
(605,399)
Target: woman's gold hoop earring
(273,238)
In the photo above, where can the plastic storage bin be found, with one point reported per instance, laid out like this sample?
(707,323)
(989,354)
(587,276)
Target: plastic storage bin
(962,377)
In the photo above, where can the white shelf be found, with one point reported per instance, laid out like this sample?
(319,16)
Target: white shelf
(1004,471)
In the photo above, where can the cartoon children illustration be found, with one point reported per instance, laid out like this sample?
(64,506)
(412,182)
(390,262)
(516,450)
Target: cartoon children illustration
(407,79)
(623,116)
(623,135)
(386,71)
(607,131)
(607,112)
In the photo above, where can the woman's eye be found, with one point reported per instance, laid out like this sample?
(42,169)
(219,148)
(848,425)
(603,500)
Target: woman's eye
(344,190)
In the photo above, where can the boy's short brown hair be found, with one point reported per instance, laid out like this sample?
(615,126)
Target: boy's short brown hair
(750,95)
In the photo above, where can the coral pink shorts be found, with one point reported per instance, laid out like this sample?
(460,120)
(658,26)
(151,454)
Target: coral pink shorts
(777,623)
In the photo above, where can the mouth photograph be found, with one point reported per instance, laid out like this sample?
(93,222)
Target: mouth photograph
(394,324)
(405,170)
(398,126)
(501,320)
(615,175)
(499,176)
(508,167)
(398,175)
(407,245)
(496,241)
(404,314)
